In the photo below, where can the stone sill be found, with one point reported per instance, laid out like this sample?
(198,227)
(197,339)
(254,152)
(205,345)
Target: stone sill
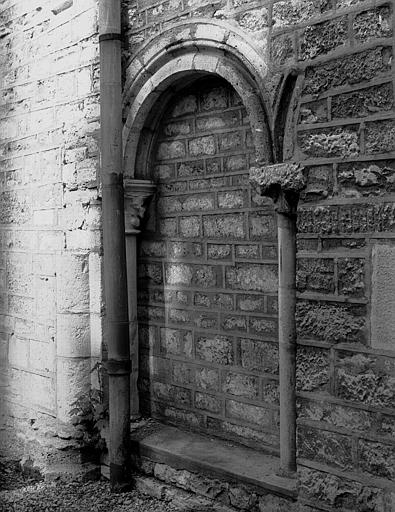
(213,457)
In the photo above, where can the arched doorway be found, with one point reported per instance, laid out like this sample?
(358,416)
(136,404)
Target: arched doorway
(207,269)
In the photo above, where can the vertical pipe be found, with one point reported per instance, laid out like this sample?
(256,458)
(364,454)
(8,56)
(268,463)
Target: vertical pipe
(131,259)
(287,339)
(115,286)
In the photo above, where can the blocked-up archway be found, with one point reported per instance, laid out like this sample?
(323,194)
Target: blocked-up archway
(207,267)
(207,273)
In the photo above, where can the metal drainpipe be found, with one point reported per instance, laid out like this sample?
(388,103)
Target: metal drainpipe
(115,283)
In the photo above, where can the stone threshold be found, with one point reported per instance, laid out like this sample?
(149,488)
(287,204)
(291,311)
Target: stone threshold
(213,457)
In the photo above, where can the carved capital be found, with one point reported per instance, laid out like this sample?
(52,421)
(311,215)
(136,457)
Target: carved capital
(281,182)
(137,194)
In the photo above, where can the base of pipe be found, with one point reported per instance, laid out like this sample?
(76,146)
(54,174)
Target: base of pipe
(120,480)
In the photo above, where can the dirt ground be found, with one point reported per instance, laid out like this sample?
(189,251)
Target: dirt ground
(22,494)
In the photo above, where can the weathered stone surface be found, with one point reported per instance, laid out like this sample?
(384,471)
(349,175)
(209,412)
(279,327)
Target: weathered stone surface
(219,251)
(152,272)
(224,226)
(249,413)
(258,356)
(181,373)
(262,226)
(214,99)
(207,379)
(171,394)
(380,136)
(292,12)
(169,150)
(208,403)
(330,142)
(353,420)
(234,323)
(186,105)
(232,199)
(73,381)
(220,301)
(254,21)
(373,24)
(383,305)
(263,326)
(216,121)
(217,349)
(182,250)
(348,70)
(240,385)
(351,218)
(313,112)
(152,248)
(190,227)
(282,50)
(363,102)
(351,273)
(319,183)
(365,378)
(180,128)
(270,391)
(251,277)
(202,146)
(339,492)
(366,179)
(312,369)
(315,275)
(193,203)
(175,341)
(193,168)
(324,37)
(250,303)
(343,244)
(326,447)
(334,323)
(247,251)
(377,459)
(387,426)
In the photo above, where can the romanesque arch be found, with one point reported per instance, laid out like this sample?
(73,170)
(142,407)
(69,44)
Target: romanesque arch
(183,52)
(160,72)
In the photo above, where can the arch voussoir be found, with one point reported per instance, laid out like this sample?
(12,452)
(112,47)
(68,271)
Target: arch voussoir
(208,47)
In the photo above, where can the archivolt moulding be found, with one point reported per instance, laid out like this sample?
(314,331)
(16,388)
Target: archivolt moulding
(186,51)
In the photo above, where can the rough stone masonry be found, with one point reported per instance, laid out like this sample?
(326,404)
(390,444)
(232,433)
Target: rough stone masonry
(322,71)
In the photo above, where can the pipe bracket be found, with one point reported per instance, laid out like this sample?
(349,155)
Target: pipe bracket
(115,367)
(111,36)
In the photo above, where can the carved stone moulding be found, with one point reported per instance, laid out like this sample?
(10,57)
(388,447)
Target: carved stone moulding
(281,182)
(137,195)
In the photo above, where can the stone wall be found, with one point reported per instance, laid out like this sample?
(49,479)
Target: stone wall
(341,126)
(208,274)
(50,265)
(344,134)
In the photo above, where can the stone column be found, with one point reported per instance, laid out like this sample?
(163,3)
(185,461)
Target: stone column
(137,194)
(283,183)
